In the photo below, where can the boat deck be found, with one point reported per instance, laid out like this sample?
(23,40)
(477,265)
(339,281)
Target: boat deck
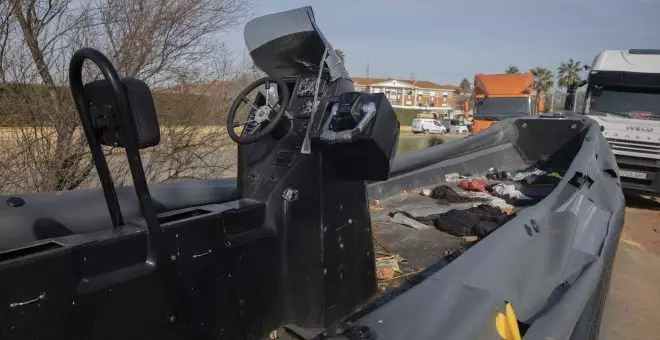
(418,248)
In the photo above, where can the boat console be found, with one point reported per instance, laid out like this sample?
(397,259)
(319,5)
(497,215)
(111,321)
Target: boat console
(294,246)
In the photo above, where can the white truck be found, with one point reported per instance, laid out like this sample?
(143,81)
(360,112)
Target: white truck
(623,95)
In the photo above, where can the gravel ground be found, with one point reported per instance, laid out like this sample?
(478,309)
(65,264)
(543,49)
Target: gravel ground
(632,309)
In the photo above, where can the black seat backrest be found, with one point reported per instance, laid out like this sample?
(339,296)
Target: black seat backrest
(105,116)
(118,112)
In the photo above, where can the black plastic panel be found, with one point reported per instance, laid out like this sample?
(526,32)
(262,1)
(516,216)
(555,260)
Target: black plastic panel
(534,138)
(358,146)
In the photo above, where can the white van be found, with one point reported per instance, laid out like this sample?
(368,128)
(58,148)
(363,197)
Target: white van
(427,125)
(455,126)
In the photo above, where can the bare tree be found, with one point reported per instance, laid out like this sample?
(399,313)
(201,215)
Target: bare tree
(43,24)
(5,25)
(163,42)
(159,40)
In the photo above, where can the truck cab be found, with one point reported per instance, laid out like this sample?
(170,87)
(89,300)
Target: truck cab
(623,96)
(502,96)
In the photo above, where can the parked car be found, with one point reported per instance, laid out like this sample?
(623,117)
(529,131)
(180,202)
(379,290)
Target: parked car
(427,125)
(460,128)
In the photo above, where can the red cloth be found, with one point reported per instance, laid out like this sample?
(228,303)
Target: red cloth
(474,184)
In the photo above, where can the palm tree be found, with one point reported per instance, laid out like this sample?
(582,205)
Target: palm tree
(569,73)
(542,81)
(512,69)
(340,54)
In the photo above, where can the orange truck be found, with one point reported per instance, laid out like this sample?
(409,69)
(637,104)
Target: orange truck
(502,96)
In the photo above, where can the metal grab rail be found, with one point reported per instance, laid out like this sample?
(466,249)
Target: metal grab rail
(127,132)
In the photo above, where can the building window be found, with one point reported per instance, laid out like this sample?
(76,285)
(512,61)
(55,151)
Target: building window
(433,93)
(431,104)
(445,94)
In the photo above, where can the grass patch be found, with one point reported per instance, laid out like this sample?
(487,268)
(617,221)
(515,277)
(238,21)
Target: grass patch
(416,144)
(406,115)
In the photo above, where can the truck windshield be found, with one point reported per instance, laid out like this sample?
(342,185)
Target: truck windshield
(502,106)
(628,102)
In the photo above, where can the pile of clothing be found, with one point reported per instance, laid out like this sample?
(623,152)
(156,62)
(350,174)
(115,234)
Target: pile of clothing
(511,194)
(524,187)
(477,221)
(445,194)
(474,184)
(495,197)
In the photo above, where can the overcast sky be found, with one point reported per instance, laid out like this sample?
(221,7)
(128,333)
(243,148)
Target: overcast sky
(446,41)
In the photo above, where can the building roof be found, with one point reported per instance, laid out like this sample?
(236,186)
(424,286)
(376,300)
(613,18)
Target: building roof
(417,83)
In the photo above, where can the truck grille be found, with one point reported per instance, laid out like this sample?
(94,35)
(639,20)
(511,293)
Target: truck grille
(637,163)
(649,162)
(634,146)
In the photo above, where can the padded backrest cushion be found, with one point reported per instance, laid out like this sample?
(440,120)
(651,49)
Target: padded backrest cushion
(141,107)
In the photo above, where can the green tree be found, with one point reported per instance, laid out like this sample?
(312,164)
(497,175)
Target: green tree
(340,55)
(569,73)
(463,93)
(465,86)
(543,81)
(512,69)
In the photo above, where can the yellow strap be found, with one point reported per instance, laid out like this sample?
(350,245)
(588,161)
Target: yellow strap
(507,324)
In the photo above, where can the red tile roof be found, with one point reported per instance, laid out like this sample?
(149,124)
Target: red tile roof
(417,83)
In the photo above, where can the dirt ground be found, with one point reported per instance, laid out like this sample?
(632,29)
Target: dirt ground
(632,309)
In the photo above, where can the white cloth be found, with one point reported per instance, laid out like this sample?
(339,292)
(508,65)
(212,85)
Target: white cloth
(510,190)
(520,175)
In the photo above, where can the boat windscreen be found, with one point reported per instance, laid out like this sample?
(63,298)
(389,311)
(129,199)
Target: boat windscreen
(291,44)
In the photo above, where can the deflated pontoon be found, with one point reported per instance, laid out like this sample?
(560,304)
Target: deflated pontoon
(288,244)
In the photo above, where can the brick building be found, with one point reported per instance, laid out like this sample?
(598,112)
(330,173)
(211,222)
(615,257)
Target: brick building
(407,93)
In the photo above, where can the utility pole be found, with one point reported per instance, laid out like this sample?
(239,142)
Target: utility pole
(367,69)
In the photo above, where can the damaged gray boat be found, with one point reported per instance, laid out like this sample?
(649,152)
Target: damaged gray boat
(289,249)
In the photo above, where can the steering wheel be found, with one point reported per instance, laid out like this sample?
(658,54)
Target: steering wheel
(263,119)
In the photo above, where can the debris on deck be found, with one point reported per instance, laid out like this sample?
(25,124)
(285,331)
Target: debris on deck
(431,224)
(453,177)
(477,221)
(446,194)
(474,184)
(375,205)
(387,267)
(405,220)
